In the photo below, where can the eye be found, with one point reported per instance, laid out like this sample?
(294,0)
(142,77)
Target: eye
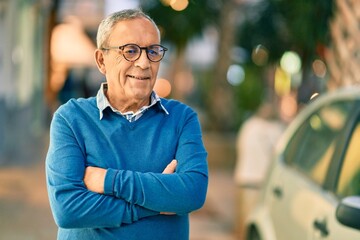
(131,50)
(153,52)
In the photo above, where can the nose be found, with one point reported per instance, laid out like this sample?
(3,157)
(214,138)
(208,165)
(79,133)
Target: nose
(143,62)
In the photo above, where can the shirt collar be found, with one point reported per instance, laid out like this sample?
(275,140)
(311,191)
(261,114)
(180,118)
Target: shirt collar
(102,102)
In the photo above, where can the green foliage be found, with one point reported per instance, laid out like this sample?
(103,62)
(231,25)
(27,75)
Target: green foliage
(307,21)
(283,25)
(265,28)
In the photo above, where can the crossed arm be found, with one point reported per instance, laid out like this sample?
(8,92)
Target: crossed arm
(94,177)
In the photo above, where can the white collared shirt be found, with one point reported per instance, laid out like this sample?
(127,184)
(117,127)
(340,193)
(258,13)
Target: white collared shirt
(103,103)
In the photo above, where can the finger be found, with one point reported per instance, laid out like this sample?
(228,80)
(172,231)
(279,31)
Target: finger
(171,167)
(167,213)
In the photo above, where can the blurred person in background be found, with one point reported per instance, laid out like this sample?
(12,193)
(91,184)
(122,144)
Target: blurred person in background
(254,149)
(126,164)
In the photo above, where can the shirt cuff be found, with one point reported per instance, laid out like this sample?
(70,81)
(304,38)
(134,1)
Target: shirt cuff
(110,181)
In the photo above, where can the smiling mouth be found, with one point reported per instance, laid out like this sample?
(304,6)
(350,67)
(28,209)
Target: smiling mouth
(138,77)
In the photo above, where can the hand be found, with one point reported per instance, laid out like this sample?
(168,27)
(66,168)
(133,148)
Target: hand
(171,167)
(94,179)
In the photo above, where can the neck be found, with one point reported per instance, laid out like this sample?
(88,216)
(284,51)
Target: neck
(127,105)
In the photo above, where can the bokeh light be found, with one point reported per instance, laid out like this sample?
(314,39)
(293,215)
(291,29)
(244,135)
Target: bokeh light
(288,107)
(162,87)
(282,82)
(319,68)
(290,62)
(315,122)
(179,5)
(260,55)
(235,75)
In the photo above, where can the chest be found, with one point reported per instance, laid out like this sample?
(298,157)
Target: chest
(131,147)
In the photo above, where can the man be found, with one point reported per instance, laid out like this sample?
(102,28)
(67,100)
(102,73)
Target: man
(255,145)
(111,168)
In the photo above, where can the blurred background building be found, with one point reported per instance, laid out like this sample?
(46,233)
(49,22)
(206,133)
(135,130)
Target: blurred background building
(24,34)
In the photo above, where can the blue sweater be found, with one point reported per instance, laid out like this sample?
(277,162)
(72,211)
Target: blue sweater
(135,154)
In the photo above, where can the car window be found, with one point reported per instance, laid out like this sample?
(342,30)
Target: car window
(313,144)
(349,180)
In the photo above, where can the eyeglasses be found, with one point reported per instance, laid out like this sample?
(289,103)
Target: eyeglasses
(132,52)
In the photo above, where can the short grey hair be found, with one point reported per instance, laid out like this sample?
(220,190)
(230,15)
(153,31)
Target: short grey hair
(107,24)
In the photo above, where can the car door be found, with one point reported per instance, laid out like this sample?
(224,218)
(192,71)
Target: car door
(300,207)
(348,183)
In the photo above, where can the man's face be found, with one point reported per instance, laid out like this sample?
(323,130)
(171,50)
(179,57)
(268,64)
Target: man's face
(130,81)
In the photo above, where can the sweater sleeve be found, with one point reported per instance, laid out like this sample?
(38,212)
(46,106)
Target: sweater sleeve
(180,192)
(73,206)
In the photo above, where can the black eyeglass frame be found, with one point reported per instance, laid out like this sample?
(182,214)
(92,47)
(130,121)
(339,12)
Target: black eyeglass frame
(164,49)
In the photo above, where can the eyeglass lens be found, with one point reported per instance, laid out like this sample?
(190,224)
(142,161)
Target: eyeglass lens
(132,52)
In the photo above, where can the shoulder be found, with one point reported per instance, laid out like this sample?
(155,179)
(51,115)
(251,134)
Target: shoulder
(174,106)
(181,114)
(75,107)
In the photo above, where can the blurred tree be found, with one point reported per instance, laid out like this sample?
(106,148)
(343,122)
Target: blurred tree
(283,25)
(220,95)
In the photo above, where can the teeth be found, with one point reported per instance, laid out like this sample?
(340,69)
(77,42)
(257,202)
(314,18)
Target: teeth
(140,78)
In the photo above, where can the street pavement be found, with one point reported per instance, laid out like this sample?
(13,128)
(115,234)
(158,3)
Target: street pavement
(215,221)
(25,212)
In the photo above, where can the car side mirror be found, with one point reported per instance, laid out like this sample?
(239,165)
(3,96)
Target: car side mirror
(348,212)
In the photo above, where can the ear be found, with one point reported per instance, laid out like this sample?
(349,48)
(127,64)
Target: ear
(100,61)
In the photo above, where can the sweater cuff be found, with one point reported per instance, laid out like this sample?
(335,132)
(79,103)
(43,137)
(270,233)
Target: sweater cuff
(110,181)
(144,212)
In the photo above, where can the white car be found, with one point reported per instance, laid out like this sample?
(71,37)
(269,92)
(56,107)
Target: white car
(312,190)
